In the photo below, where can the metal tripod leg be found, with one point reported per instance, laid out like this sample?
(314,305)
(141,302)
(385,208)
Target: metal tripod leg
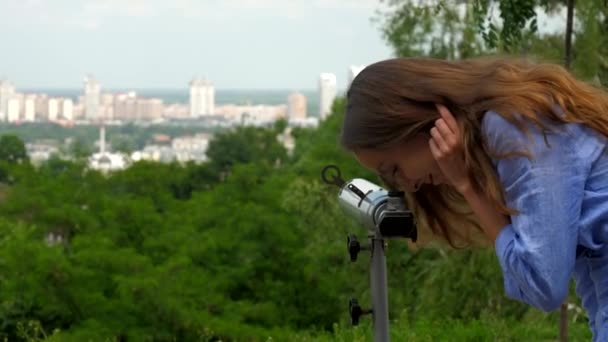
(379,289)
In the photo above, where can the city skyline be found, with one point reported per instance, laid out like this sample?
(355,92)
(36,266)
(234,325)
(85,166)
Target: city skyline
(239,44)
(93,104)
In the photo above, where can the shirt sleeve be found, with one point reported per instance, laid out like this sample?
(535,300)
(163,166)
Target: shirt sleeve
(537,250)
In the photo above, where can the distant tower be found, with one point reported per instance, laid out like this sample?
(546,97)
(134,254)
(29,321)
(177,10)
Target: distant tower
(327,94)
(296,106)
(92,94)
(202,97)
(353,71)
(102,139)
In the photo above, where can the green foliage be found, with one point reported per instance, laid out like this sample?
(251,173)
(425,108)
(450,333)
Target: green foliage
(123,144)
(79,149)
(12,149)
(518,21)
(123,138)
(415,28)
(245,144)
(591,43)
(435,28)
(424,330)
(167,252)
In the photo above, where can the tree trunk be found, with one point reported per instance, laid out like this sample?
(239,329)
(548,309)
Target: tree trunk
(563,310)
(563,321)
(569,22)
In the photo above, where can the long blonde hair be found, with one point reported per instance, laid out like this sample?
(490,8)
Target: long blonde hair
(392,100)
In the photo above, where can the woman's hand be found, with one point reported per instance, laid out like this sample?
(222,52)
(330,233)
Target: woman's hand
(447,150)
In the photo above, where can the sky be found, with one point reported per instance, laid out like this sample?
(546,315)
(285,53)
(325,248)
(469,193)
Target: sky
(163,44)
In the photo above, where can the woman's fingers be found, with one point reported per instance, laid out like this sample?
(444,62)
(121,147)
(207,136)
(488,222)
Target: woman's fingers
(447,116)
(439,140)
(434,149)
(448,136)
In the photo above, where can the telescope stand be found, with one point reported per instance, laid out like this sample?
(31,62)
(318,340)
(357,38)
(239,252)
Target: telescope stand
(385,215)
(379,287)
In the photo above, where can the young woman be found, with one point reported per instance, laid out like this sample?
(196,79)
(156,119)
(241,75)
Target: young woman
(502,146)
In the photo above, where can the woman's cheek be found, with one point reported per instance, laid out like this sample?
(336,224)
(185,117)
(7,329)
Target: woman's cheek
(404,183)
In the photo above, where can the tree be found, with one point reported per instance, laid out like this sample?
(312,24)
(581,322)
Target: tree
(280,125)
(12,149)
(434,28)
(591,41)
(518,20)
(79,149)
(124,144)
(461,29)
(519,24)
(244,145)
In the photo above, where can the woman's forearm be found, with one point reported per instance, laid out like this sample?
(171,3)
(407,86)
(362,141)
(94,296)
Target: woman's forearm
(492,221)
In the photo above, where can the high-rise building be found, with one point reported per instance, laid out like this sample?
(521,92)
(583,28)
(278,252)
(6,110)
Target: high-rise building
(78,111)
(327,93)
(125,107)
(120,106)
(149,108)
(107,99)
(29,113)
(42,106)
(202,97)
(296,106)
(92,94)
(7,91)
(130,108)
(14,108)
(68,109)
(353,71)
(53,109)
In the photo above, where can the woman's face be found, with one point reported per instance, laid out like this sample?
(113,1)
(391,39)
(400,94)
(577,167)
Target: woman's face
(406,166)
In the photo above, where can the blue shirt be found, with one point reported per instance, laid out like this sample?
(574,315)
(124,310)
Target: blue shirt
(561,231)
